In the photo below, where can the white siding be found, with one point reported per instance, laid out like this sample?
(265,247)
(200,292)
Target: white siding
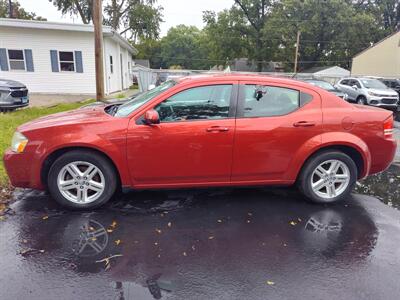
(43,80)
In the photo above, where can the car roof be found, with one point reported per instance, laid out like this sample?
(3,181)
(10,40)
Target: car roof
(239,77)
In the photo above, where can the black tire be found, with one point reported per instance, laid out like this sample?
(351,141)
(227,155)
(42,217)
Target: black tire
(361,100)
(304,181)
(102,163)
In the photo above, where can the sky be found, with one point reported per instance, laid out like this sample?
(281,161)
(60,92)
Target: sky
(188,12)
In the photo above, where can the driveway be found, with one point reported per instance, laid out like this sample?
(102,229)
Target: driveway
(206,244)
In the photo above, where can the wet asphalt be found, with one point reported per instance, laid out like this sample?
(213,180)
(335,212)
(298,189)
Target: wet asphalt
(206,244)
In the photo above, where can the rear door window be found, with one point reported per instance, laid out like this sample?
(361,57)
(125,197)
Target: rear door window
(267,101)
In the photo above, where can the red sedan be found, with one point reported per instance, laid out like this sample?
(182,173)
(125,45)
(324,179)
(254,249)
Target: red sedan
(223,130)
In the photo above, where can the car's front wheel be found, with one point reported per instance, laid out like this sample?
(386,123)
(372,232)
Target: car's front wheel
(328,177)
(82,179)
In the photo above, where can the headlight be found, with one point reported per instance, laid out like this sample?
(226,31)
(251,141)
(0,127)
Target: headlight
(373,94)
(18,142)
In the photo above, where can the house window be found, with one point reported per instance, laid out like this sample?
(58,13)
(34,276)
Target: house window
(16,59)
(67,62)
(111,65)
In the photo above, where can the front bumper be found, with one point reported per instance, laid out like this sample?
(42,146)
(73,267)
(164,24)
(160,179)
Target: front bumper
(22,169)
(13,105)
(390,102)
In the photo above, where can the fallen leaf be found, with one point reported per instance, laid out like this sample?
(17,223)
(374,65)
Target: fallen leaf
(248,221)
(299,219)
(210,237)
(169,224)
(2,218)
(109,230)
(293,223)
(45,217)
(30,251)
(158,231)
(113,224)
(184,254)
(93,239)
(249,214)
(155,244)
(193,247)
(91,228)
(219,221)
(284,245)
(270,282)
(117,242)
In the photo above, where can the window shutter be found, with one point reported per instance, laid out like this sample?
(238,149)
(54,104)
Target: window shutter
(54,61)
(29,60)
(3,60)
(78,61)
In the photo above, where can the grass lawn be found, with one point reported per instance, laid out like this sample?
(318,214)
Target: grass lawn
(10,121)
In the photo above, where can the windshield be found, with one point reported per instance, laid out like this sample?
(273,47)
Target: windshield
(373,84)
(323,84)
(130,106)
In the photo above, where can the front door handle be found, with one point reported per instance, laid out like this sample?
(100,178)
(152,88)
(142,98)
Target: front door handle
(217,129)
(304,124)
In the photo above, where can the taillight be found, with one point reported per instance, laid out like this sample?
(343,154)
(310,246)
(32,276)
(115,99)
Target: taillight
(388,127)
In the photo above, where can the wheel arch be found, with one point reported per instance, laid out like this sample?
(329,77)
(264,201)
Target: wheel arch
(351,151)
(52,157)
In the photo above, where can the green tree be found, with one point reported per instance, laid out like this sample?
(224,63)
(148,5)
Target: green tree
(183,46)
(17,11)
(226,36)
(140,19)
(150,49)
(331,32)
(386,11)
(83,8)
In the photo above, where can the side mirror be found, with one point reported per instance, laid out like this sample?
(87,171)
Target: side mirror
(151,117)
(354,87)
(151,86)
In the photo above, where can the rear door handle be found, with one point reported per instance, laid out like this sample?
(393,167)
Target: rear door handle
(304,124)
(217,129)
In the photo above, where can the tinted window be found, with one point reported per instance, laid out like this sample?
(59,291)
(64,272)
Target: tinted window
(345,82)
(207,102)
(266,101)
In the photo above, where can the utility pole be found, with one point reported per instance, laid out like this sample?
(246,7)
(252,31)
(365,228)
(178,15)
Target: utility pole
(98,48)
(297,51)
(10,9)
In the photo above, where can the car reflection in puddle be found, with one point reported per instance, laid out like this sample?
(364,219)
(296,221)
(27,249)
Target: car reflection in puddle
(189,244)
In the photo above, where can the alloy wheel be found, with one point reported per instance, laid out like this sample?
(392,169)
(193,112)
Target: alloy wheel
(81,182)
(330,179)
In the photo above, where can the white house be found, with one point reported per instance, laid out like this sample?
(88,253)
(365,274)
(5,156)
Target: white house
(54,57)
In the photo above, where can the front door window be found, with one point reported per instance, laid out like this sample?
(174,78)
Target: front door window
(199,103)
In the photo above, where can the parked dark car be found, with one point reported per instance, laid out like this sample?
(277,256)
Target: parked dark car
(328,87)
(394,84)
(13,94)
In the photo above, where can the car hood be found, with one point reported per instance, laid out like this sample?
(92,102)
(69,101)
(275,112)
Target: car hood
(384,92)
(10,83)
(77,116)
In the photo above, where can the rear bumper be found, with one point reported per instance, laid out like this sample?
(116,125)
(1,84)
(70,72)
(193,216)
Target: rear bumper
(22,169)
(382,160)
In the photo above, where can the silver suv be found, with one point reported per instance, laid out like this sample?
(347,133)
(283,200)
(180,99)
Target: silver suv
(13,94)
(369,91)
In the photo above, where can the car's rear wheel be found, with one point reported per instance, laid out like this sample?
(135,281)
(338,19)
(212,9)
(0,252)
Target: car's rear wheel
(328,177)
(82,180)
